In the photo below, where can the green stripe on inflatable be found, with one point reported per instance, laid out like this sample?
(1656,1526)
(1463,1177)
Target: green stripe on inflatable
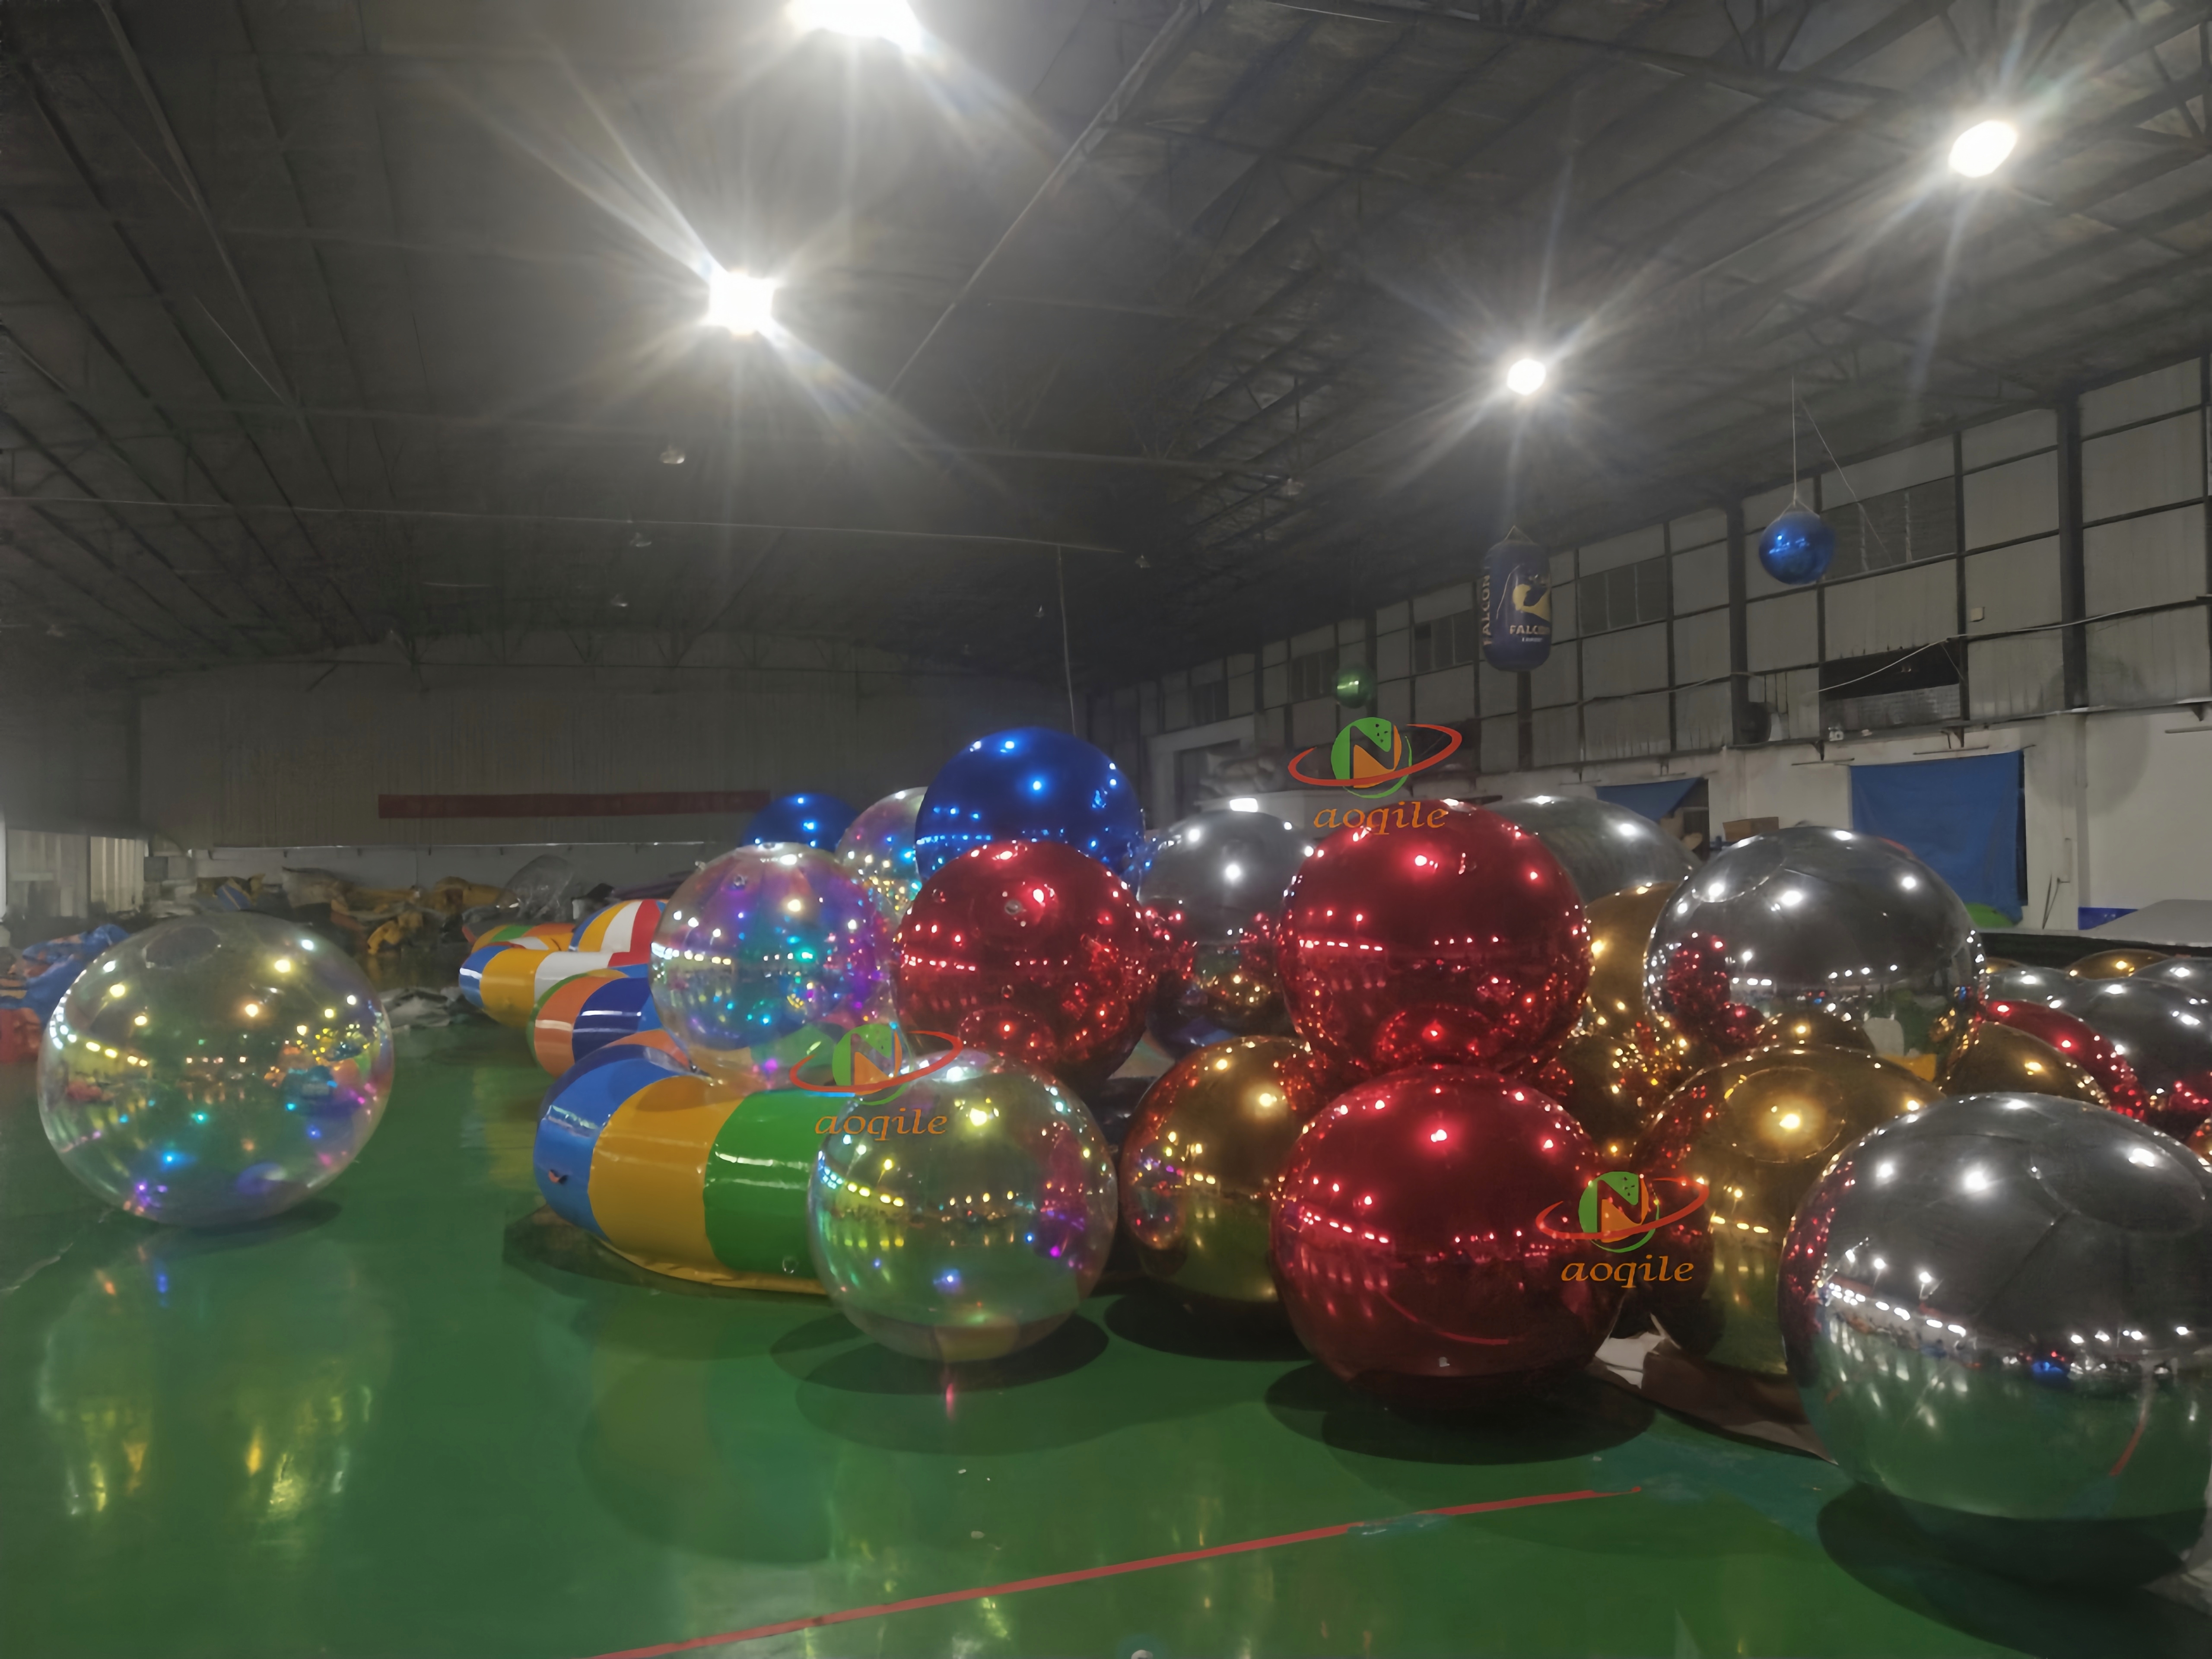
(756,1184)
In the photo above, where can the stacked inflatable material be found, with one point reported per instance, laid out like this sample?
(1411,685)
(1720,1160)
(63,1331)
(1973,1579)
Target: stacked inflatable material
(579,1016)
(679,1173)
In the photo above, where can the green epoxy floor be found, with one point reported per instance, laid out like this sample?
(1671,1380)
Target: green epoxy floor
(417,1418)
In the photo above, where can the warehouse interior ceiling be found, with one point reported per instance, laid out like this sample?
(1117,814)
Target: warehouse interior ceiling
(333,326)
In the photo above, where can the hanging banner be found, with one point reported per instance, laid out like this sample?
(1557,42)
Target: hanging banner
(1517,606)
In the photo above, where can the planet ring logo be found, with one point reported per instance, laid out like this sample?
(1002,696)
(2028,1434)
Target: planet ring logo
(1373,757)
(870,1060)
(1621,1209)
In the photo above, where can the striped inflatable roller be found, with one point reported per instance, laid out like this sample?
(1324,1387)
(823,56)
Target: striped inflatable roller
(511,983)
(584,1013)
(472,968)
(627,926)
(679,1173)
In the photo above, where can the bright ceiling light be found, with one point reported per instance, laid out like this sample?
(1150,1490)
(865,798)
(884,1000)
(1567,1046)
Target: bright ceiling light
(867,20)
(1525,377)
(1981,149)
(742,303)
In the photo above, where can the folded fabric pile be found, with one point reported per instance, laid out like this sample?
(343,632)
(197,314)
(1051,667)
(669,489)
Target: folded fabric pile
(35,982)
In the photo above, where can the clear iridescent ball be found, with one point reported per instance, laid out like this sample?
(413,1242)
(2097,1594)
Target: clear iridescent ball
(760,944)
(964,1215)
(214,1069)
(877,848)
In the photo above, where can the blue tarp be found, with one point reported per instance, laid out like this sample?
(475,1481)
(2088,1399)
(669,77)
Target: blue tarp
(1654,800)
(1961,817)
(45,970)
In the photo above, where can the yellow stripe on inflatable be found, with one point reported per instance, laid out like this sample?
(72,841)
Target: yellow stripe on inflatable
(649,1168)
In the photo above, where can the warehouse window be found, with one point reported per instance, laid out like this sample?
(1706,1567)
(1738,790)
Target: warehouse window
(1623,597)
(1903,527)
(1446,642)
(1209,703)
(1313,675)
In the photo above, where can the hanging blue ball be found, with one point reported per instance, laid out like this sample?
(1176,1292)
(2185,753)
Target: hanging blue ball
(1797,547)
(1029,784)
(816,820)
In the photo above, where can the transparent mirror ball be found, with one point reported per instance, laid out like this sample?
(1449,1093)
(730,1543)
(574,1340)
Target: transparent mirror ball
(877,849)
(969,1216)
(1813,917)
(2001,1307)
(1604,847)
(214,1069)
(760,942)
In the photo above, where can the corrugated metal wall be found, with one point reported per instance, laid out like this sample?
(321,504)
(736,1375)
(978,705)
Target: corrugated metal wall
(65,758)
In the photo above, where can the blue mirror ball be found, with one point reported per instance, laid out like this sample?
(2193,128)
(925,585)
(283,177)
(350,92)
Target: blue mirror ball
(815,820)
(1796,548)
(1029,784)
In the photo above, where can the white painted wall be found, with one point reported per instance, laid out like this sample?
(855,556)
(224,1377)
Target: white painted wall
(2147,800)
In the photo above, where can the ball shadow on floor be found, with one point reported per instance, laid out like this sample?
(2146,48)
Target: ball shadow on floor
(1153,1316)
(623,1307)
(302,1218)
(557,1254)
(1880,1542)
(1575,1417)
(864,1393)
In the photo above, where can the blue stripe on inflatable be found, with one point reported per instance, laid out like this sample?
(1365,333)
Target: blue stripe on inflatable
(473,971)
(615,1009)
(648,1017)
(577,1107)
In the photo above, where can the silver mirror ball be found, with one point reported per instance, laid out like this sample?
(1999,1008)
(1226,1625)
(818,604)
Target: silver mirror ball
(1605,848)
(1811,918)
(1218,881)
(1999,1311)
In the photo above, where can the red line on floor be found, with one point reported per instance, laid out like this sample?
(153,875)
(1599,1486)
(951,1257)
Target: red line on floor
(659,1651)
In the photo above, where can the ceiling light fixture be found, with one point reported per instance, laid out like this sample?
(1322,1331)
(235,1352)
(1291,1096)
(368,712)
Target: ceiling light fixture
(672,456)
(1526,377)
(866,19)
(742,303)
(1981,149)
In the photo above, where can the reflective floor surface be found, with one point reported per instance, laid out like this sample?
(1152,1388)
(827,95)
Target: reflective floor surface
(419,1418)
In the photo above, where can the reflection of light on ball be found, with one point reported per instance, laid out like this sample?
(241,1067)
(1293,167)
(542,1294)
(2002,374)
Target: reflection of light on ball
(971,1214)
(761,944)
(188,1077)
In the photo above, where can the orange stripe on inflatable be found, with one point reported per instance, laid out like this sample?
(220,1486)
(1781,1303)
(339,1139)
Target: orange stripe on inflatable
(656,1038)
(553,1027)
